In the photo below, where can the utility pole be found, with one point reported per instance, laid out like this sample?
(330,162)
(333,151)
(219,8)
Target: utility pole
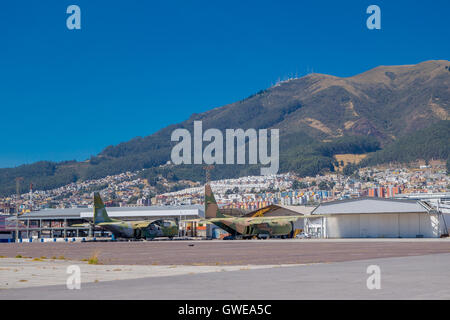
(31,197)
(18,180)
(208,173)
(208,180)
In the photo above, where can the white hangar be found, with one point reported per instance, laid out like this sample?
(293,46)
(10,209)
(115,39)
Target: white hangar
(375,218)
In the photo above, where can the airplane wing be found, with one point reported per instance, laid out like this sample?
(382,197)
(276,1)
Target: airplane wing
(108,223)
(274,219)
(134,224)
(256,220)
(81,225)
(203,220)
(143,224)
(261,211)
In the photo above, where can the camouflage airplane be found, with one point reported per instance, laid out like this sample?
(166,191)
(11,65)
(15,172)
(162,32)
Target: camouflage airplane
(253,224)
(145,229)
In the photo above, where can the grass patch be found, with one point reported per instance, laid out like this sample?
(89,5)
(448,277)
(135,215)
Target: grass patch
(37,259)
(43,257)
(54,257)
(19,256)
(61,258)
(93,259)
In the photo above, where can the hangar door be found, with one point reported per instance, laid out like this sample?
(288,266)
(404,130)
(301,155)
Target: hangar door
(407,225)
(379,225)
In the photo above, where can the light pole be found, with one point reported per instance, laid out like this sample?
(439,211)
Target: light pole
(18,179)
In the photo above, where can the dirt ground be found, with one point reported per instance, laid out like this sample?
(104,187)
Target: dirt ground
(227,252)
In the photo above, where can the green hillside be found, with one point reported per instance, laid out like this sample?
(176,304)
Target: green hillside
(426,144)
(403,110)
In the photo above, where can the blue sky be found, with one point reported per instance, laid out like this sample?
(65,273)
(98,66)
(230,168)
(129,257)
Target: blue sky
(138,66)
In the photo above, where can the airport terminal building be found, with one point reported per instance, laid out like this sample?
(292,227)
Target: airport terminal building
(58,223)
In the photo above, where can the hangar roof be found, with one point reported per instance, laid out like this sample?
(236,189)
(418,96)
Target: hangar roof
(71,213)
(150,211)
(370,205)
(7,225)
(299,209)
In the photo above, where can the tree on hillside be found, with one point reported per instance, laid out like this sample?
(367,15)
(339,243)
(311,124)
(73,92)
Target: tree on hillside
(323,185)
(349,169)
(299,185)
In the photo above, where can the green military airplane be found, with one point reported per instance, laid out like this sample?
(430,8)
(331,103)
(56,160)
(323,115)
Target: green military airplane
(253,224)
(145,229)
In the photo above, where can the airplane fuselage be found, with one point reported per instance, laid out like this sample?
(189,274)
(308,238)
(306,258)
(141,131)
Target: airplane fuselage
(136,230)
(270,228)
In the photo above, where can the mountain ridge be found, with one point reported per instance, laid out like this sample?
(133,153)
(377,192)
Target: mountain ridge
(378,107)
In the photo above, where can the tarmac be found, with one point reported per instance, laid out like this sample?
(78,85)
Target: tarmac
(248,269)
(233,252)
(25,272)
(408,277)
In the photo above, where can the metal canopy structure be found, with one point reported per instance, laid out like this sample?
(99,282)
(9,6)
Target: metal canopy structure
(58,222)
(376,218)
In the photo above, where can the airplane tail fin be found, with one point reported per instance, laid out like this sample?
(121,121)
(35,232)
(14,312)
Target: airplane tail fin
(100,214)
(211,207)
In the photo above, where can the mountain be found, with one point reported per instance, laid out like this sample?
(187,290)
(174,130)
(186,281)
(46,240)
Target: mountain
(429,143)
(318,116)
